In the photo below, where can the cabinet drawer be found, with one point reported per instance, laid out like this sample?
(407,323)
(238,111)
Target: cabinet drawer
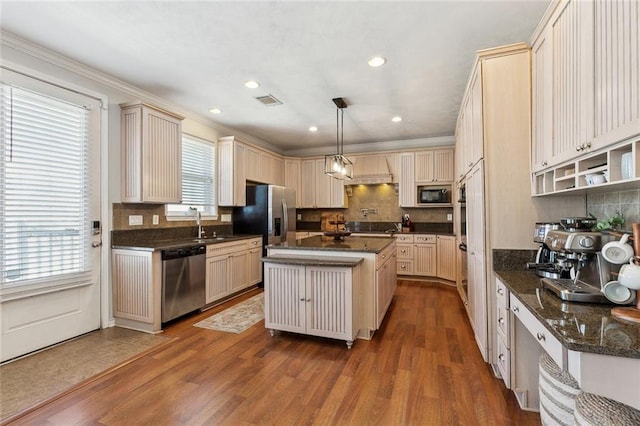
(385,255)
(549,343)
(503,360)
(405,251)
(502,324)
(405,267)
(502,294)
(254,243)
(404,238)
(226,248)
(428,239)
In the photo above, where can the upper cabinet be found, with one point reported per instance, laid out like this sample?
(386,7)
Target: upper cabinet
(292,177)
(318,190)
(407,187)
(434,166)
(151,154)
(469,137)
(231,172)
(586,78)
(264,167)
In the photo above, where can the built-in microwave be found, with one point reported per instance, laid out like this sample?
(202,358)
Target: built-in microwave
(434,194)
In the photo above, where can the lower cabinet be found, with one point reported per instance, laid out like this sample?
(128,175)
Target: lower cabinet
(446,257)
(232,267)
(425,252)
(386,285)
(313,300)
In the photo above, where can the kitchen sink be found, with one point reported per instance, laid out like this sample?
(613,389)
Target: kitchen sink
(206,240)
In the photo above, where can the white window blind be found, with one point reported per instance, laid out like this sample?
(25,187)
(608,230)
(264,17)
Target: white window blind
(43,189)
(198,178)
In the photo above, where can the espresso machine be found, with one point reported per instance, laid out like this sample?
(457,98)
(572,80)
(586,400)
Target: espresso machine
(578,255)
(545,264)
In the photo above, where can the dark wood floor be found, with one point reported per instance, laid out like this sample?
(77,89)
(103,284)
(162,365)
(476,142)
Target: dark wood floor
(421,368)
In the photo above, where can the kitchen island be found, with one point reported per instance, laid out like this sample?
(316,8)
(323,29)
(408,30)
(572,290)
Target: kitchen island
(376,277)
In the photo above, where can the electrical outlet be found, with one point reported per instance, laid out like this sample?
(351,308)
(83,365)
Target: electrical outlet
(299,216)
(449,216)
(225,218)
(135,219)
(156,219)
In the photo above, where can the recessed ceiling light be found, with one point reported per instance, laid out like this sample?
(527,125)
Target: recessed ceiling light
(396,119)
(376,61)
(251,84)
(313,129)
(215,110)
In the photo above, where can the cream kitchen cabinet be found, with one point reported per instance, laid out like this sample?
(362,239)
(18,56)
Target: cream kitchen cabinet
(263,167)
(434,166)
(425,255)
(405,256)
(137,286)
(292,178)
(314,300)
(151,154)
(469,127)
(232,267)
(407,193)
(446,257)
(386,282)
(232,178)
(585,71)
(504,92)
(319,190)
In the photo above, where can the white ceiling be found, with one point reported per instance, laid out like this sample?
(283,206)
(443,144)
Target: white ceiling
(198,55)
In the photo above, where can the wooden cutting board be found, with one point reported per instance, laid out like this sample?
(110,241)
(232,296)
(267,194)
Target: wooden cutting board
(330,217)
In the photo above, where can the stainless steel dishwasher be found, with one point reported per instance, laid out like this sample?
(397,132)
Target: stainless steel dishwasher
(183,283)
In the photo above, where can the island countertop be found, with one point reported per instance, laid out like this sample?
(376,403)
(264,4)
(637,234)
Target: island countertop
(351,243)
(582,327)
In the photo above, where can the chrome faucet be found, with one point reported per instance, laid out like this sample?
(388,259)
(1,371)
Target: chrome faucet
(201,231)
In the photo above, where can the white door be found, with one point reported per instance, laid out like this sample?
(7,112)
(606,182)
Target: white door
(49,209)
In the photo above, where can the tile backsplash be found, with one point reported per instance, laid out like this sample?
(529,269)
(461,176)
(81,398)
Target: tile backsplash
(607,204)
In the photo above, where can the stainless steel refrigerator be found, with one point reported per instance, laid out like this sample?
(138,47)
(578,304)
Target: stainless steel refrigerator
(270,212)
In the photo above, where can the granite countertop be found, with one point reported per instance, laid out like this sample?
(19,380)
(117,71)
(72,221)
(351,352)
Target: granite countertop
(355,227)
(174,243)
(351,243)
(582,327)
(335,261)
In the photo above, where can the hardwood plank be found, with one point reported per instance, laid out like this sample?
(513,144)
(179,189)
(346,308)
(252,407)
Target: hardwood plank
(421,368)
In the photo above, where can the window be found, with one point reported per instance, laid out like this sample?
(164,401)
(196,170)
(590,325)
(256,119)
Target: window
(198,180)
(44,189)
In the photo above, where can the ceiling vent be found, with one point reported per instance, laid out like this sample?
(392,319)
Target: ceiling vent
(269,100)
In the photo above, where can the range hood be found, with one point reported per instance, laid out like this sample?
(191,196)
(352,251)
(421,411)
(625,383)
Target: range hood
(370,170)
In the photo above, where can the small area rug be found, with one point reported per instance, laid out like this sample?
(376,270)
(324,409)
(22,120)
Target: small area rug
(237,318)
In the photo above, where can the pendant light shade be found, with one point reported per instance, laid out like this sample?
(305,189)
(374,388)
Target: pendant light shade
(338,166)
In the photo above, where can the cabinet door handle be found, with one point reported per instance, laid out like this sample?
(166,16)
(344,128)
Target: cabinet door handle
(501,357)
(308,300)
(500,321)
(500,291)
(302,299)
(544,164)
(540,336)
(515,309)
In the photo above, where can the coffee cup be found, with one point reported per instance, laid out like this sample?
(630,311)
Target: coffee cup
(617,252)
(617,293)
(629,275)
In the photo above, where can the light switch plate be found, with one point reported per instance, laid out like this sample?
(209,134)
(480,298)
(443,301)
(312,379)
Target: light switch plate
(135,219)
(449,216)
(156,219)
(225,218)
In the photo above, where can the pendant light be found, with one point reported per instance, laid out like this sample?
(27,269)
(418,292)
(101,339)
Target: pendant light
(338,166)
